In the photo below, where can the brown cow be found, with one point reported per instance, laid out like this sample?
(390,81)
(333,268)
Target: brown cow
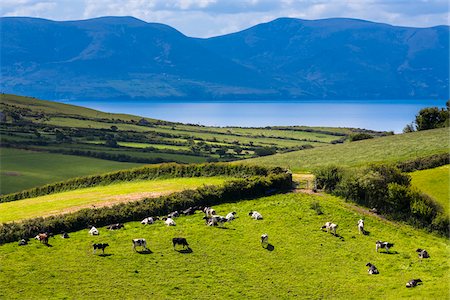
(42,237)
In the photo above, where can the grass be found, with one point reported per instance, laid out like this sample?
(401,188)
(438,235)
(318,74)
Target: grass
(434,182)
(100,195)
(384,149)
(21,169)
(230,263)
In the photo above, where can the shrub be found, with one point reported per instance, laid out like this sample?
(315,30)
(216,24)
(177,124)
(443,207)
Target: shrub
(328,177)
(422,163)
(316,207)
(360,136)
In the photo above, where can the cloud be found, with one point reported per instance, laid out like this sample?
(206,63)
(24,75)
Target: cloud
(204,18)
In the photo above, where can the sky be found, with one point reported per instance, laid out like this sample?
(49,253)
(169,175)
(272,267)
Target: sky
(206,18)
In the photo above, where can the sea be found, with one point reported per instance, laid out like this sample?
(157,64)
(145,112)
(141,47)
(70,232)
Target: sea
(380,115)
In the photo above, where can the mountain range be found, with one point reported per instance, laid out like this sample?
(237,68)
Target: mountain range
(111,58)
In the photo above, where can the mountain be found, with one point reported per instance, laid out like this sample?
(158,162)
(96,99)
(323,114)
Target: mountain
(125,58)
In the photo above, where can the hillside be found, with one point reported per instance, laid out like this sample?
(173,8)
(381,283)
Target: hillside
(394,148)
(125,58)
(230,263)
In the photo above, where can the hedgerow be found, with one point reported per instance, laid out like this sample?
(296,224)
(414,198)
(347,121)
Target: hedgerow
(423,163)
(169,170)
(235,190)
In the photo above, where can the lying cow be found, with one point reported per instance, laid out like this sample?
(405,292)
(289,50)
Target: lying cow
(139,243)
(149,220)
(23,242)
(169,222)
(188,211)
(209,212)
(264,240)
(255,215)
(385,245)
(180,241)
(215,220)
(423,253)
(93,231)
(413,283)
(64,235)
(174,214)
(372,269)
(42,237)
(330,227)
(361,226)
(101,246)
(115,226)
(231,216)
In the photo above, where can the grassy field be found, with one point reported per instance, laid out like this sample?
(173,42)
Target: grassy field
(434,182)
(384,149)
(230,263)
(98,196)
(21,169)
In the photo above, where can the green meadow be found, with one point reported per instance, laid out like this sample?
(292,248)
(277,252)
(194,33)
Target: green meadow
(303,261)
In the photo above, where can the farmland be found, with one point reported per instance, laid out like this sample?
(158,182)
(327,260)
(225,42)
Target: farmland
(230,263)
(98,196)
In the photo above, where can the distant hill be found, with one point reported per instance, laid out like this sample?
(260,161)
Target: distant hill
(125,58)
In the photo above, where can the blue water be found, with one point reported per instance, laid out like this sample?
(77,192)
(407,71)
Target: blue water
(376,115)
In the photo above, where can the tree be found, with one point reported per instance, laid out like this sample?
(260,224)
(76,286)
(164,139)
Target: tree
(114,128)
(409,128)
(431,117)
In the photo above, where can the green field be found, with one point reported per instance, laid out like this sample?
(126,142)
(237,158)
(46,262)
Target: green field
(98,196)
(230,263)
(21,169)
(436,183)
(384,149)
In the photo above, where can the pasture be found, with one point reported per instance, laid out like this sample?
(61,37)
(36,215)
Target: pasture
(22,169)
(386,149)
(434,182)
(99,196)
(229,262)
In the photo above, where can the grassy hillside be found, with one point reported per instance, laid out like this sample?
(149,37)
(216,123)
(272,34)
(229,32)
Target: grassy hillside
(384,149)
(230,263)
(436,183)
(21,169)
(99,196)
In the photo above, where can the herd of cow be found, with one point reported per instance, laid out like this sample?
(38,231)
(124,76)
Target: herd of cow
(212,219)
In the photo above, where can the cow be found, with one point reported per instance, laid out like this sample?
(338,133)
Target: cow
(255,215)
(209,211)
(180,241)
(139,243)
(231,216)
(423,253)
(174,214)
(330,226)
(42,237)
(23,242)
(115,226)
(188,211)
(372,269)
(169,222)
(93,231)
(64,235)
(413,283)
(264,240)
(385,245)
(215,220)
(101,246)
(149,220)
(361,227)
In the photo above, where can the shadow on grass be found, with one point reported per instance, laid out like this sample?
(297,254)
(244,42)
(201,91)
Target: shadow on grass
(270,247)
(219,227)
(185,251)
(104,254)
(48,245)
(146,251)
(366,232)
(390,252)
(339,237)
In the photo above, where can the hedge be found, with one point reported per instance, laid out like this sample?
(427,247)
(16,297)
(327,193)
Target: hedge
(423,163)
(169,170)
(235,190)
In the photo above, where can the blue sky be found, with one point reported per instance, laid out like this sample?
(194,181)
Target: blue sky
(205,18)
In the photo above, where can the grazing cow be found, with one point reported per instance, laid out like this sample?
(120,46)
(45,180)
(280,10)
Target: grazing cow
(115,226)
(64,235)
(169,222)
(413,283)
(264,240)
(42,237)
(423,253)
(384,245)
(174,214)
(361,226)
(180,241)
(101,246)
(372,269)
(209,211)
(23,242)
(330,226)
(231,216)
(149,220)
(93,231)
(139,243)
(255,215)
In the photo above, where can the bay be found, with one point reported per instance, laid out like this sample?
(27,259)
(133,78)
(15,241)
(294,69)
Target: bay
(385,115)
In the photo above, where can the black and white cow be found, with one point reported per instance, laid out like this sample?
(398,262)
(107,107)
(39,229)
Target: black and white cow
(385,245)
(413,283)
(255,215)
(361,227)
(372,269)
(64,235)
(264,240)
(101,246)
(149,220)
(209,211)
(330,227)
(180,241)
(174,214)
(231,216)
(93,231)
(115,226)
(423,253)
(139,243)
(23,242)
(169,221)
